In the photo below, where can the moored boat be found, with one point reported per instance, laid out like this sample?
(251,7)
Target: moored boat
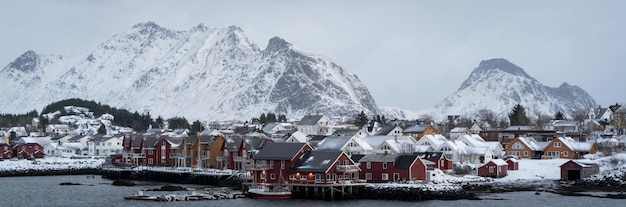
(269,191)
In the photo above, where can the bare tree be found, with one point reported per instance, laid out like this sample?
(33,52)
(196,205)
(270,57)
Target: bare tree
(579,115)
(487,116)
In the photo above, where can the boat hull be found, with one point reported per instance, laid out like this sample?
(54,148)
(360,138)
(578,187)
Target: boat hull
(260,194)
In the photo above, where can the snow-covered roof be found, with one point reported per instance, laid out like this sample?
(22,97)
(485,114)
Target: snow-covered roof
(375,141)
(333,143)
(459,130)
(499,162)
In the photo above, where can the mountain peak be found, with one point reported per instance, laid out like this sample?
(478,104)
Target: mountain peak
(26,62)
(502,65)
(277,44)
(151,28)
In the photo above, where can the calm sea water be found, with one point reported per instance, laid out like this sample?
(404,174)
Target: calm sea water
(94,192)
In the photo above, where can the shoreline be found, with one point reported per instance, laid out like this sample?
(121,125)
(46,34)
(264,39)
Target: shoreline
(469,191)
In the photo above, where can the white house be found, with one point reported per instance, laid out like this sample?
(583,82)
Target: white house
(69,149)
(315,125)
(57,129)
(105,145)
(348,145)
(297,137)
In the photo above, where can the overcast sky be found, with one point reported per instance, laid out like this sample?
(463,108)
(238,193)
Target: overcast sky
(410,54)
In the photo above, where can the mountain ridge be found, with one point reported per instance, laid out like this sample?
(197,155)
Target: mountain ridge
(497,84)
(202,73)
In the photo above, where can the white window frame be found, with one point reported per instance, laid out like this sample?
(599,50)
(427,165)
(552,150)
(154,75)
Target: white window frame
(272,176)
(557,145)
(384,176)
(368,165)
(384,165)
(368,176)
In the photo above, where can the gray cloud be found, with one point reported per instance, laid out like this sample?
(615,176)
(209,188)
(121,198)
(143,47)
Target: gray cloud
(410,54)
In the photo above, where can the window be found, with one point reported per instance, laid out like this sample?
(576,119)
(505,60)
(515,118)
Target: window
(302,177)
(282,164)
(425,143)
(368,176)
(554,154)
(565,154)
(385,176)
(150,161)
(368,165)
(292,177)
(384,165)
(272,176)
(492,169)
(271,164)
(445,149)
(318,178)
(514,153)
(517,145)
(525,153)
(557,144)
(386,147)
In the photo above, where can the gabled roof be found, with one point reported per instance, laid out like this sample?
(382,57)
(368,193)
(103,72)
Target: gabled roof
(310,119)
(582,163)
(499,162)
(375,141)
(386,130)
(397,145)
(405,161)
(520,128)
(564,123)
(270,126)
(333,143)
(317,161)
(435,140)
(279,151)
(417,128)
(459,130)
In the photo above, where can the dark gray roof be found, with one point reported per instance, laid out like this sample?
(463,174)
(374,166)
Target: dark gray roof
(379,158)
(345,132)
(405,161)
(385,130)
(77,137)
(279,151)
(268,127)
(137,140)
(316,161)
(310,119)
(429,155)
(356,157)
(417,128)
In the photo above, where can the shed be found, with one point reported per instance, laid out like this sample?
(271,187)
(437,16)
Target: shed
(578,169)
(513,164)
(495,168)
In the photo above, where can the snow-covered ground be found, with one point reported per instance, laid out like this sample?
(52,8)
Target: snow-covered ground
(50,163)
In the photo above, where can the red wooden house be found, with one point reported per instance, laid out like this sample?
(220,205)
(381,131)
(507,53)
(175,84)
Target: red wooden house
(495,168)
(578,169)
(273,159)
(512,163)
(439,158)
(149,149)
(382,168)
(237,151)
(29,150)
(324,167)
(6,151)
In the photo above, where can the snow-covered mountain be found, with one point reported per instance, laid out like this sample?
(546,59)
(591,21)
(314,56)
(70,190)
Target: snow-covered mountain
(498,85)
(202,73)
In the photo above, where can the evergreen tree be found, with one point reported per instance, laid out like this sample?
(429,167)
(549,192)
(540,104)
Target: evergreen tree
(517,116)
(282,118)
(271,117)
(263,119)
(196,127)
(178,123)
(159,121)
(102,130)
(558,116)
(361,120)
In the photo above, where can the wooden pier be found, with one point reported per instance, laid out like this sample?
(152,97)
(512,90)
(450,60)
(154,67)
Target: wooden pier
(169,175)
(335,191)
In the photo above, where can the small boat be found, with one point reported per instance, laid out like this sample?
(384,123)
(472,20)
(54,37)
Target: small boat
(140,196)
(270,191)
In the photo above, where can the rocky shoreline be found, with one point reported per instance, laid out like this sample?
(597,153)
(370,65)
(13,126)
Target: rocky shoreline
(46,172)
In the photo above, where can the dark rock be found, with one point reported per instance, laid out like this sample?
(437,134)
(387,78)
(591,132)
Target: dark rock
(69,183)
(123,183)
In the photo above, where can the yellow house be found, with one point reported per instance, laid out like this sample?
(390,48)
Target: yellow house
(522,147)
(418,131)
(205,149)
(567,148)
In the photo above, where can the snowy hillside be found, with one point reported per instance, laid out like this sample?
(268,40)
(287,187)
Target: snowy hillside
(202,73)
(498,85)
